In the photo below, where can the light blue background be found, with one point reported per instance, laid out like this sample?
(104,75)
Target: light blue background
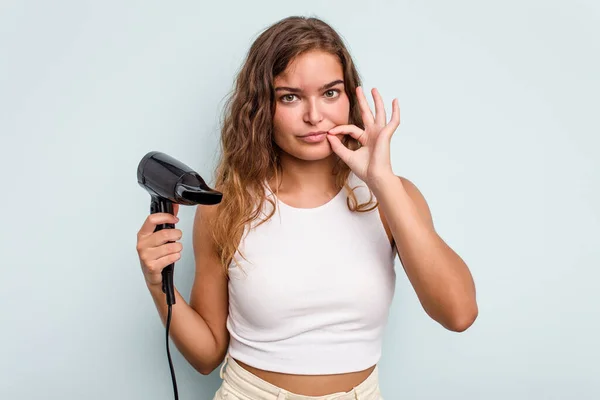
(499,104)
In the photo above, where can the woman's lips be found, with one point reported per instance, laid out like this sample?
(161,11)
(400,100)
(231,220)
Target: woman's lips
(314,137)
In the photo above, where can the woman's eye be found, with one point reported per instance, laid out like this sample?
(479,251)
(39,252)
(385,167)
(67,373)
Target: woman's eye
(288,97)
(331,93)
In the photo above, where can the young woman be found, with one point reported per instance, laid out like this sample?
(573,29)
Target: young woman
(295,267)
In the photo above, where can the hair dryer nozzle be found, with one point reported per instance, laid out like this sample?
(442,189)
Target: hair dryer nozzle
(168,178)
(199,194)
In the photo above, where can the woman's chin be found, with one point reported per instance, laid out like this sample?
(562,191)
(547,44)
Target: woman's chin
(322,152)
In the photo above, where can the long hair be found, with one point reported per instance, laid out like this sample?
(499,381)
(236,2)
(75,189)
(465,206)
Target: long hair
(249,157)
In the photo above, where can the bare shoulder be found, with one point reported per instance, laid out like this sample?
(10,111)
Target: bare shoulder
(209,296)
(206,257)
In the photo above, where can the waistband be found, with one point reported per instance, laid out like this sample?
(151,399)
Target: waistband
(242,381)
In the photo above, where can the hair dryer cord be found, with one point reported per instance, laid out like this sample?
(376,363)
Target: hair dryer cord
(169,353)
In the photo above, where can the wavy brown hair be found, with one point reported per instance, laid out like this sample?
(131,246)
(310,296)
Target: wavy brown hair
(249,157)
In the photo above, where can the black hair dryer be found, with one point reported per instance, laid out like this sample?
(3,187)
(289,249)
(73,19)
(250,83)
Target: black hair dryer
(170,181)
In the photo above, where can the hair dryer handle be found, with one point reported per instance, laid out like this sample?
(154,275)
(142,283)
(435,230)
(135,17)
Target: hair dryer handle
(161,205)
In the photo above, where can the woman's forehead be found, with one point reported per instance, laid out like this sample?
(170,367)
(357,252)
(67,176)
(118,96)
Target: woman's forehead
(311,71)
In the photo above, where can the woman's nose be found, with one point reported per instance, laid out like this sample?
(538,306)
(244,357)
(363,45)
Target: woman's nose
(313,113)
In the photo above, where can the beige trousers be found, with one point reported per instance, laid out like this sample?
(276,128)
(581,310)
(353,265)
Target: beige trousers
(240,384)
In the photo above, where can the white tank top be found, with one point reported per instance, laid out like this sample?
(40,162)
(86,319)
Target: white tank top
(314,295)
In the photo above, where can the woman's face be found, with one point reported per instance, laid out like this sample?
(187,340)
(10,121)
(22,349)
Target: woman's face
(309,100)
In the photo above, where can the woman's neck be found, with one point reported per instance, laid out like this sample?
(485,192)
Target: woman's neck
(308,177)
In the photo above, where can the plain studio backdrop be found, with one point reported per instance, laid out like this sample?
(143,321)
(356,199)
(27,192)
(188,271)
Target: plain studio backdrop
(499,105)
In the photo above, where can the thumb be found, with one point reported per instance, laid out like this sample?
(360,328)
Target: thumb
(338,147)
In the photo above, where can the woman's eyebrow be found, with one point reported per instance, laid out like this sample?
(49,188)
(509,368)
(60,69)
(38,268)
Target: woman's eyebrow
(297,90)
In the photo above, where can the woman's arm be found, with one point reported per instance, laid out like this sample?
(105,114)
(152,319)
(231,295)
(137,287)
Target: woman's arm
(198,328)
(441,279)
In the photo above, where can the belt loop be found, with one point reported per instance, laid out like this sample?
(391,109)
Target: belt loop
(281,395)
(223,365)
